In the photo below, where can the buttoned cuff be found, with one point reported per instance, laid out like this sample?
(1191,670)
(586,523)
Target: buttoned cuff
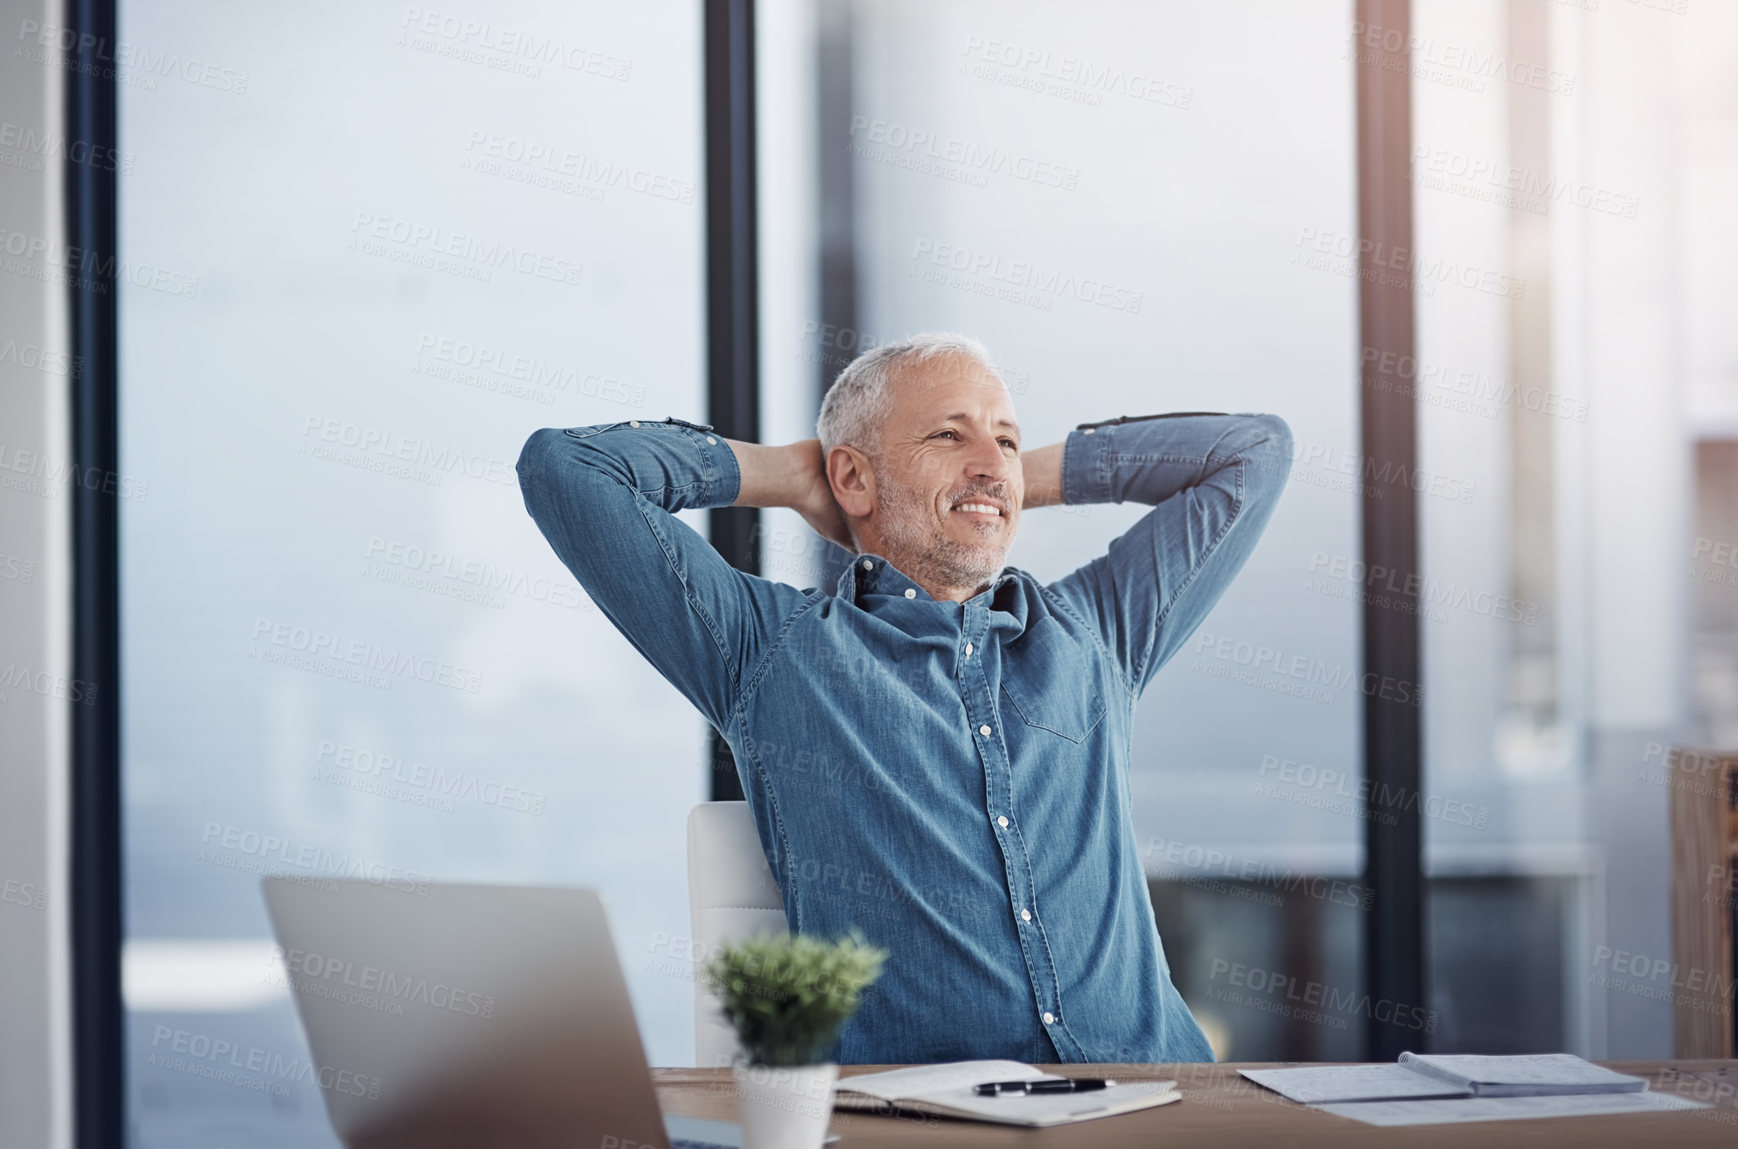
(1086,466)
(720,472)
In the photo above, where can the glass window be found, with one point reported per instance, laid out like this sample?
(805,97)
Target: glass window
(370,252)
(1139,209)
(1573,283)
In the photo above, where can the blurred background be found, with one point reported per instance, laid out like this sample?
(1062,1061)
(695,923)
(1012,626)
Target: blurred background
(371,249)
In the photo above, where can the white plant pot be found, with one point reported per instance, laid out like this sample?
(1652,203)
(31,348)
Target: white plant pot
(784,1107)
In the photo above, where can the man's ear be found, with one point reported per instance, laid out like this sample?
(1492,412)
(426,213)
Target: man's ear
(852,479)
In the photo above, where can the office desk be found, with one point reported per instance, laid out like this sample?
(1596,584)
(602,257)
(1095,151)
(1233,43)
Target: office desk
(1221,1108)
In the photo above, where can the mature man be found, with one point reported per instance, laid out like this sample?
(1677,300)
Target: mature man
(936,748)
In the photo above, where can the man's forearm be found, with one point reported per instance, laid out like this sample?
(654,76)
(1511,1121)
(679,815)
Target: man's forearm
(776,476)
(1043,476)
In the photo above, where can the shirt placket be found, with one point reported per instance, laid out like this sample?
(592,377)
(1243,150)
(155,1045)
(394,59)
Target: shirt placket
(977,694)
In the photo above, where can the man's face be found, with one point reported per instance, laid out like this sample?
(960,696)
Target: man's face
(948,481)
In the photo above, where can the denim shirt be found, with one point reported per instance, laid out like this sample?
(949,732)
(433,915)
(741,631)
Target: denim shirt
(950,778)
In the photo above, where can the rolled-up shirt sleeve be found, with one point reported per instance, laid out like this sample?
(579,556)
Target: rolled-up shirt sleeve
(606,498)
(1212,480)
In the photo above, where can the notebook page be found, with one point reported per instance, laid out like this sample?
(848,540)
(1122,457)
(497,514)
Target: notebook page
(1457,1110)
(1315,1084)
(921,1079)
(1039,1110)
(1520,1075)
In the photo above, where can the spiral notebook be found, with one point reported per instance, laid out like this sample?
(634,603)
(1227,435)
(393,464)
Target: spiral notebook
(946,1091)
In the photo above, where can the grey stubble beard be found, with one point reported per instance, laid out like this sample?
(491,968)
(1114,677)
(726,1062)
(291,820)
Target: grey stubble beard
(932,558)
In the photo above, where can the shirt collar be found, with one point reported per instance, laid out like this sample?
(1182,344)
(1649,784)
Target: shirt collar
(869,573)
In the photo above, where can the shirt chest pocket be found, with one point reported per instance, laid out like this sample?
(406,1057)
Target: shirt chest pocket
(1052,681)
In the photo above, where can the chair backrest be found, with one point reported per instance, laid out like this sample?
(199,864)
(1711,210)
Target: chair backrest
(731,896)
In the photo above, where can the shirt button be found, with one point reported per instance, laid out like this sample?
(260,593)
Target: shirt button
(984,730)
(909,593)
(1025,915)
(968,650)
(710,439)
(867,565)
(1049,1018)
(633,422)
(1002,821)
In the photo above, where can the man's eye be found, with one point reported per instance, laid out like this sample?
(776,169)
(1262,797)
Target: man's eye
(939,433)
(1011,443)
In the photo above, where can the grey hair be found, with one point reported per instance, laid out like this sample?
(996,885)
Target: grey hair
(859,400)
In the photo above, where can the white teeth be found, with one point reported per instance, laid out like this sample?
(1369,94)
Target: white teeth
(981,508)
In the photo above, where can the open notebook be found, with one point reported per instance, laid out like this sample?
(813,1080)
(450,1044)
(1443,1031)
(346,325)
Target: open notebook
(946,1091)
(1420,1076)
(1433,1089)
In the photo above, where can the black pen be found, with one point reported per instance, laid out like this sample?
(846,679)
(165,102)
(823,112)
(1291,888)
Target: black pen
(1068,1085)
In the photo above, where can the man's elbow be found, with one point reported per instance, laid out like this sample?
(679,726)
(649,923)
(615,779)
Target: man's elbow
(538,461)
(1274,436)
(1269,451)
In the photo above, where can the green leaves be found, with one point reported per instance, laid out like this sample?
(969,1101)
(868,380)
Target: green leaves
(788,996)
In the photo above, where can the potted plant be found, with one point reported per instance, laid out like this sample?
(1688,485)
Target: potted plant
(786,996)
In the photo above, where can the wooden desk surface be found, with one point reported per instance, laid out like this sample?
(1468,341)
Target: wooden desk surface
(1221,1108)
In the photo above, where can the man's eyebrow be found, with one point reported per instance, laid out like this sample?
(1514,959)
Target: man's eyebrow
(962,417)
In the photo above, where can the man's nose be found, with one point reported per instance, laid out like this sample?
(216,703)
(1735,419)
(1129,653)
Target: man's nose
(989,462)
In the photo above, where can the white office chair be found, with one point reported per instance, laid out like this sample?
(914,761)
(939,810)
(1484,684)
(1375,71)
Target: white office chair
(731,896)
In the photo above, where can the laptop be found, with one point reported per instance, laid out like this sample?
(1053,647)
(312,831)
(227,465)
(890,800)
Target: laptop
(473,1016)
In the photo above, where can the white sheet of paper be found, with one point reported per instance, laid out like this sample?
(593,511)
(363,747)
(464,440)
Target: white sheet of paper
(921,1079)
(1314,1084)
(1043,1109)
(1461,1109)
(1520,1074)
